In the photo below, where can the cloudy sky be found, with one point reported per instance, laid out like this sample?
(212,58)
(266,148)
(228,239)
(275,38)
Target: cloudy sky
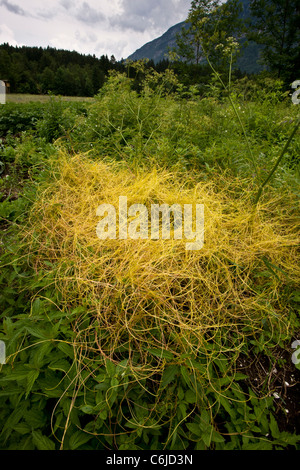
(97,27)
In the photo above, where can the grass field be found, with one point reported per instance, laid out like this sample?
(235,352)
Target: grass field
(27,98)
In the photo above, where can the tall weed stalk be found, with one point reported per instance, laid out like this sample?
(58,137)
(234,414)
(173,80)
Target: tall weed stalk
(251,155)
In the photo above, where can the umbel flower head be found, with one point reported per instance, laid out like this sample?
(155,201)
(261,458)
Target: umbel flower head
(230,47)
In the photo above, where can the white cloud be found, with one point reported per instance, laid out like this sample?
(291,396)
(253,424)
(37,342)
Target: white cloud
(109,27)
(88,14)
(13,8)
(66,4)
(7,35)
(156,15)
(85,38)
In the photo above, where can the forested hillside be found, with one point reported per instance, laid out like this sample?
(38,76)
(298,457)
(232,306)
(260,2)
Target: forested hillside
(36,70)
(158,49)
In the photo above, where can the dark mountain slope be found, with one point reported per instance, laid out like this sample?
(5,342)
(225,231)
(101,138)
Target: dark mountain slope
(157,49)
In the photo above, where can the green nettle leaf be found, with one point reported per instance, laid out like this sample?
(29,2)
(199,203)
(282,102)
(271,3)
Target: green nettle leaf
(22,428)
(35,418)
(197,365)
(78,439)
(131,425)
(110,367)
(66,406)
(222,382)
(31,378)
(288,439)
(8,326)
(274,427)
(112,397)
(58,421)
(207,438)
(36,306)
(180,393)
(168,375)
(239,376)
(161,353)
(296,296)
(42,442)
(255,429)
(39,353)
(8,393)
(103,414)
(62,365)
(37,332)
(114,382)
(101,377)
(222,364)
(103,386)
(174,441)
(205,418)
(14,418)
(182,408)
(66,349)
(190,396)
(185,375)
(261,445)
(194,428)
(200,446)
(87,409)
(121,367)
(26,443)
(217,437)
(15,375)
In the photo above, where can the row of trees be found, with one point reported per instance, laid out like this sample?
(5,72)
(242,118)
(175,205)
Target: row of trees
(214,31)
(37,70)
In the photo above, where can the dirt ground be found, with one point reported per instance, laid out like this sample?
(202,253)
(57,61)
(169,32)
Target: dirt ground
(278,378)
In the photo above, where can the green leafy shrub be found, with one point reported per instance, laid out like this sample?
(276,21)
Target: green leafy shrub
(16,118)
(262,89)
(58,118)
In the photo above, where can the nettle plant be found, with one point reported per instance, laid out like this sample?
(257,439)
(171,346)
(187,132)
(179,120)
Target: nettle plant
(124,120)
